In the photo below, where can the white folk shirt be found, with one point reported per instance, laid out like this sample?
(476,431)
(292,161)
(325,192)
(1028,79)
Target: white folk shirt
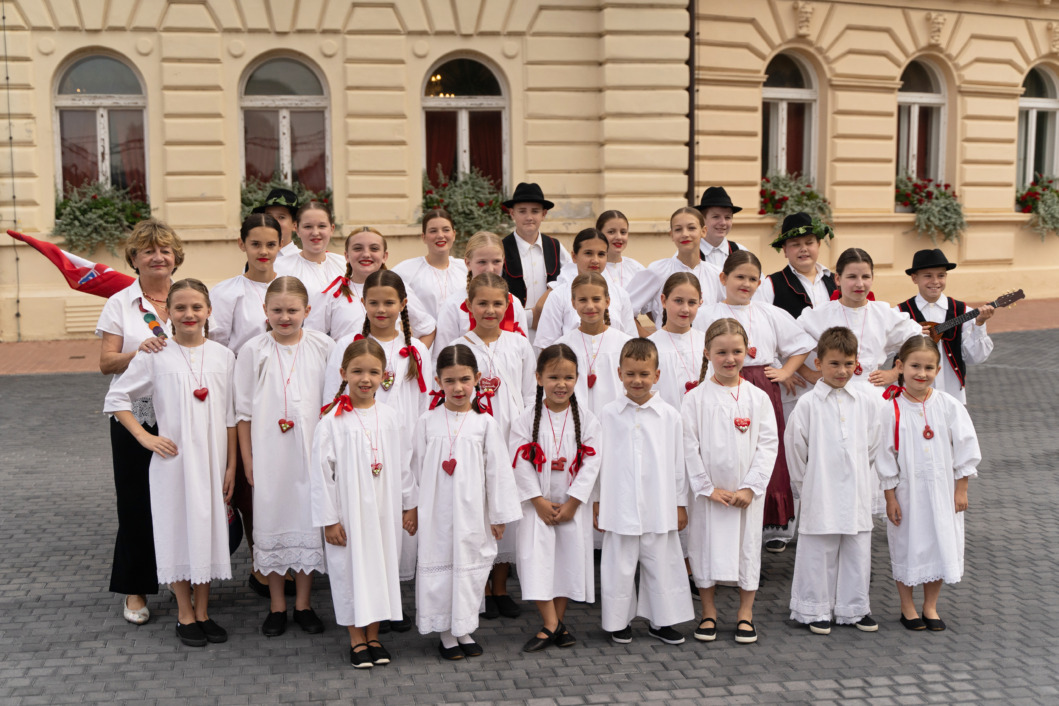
(617,273)
(831,440)
(974,342)
(645,289)
(289,250)
(597,355)
(642,480)
(534,271)
(679,360)
(238,312)
(717,255)
(773,333)
(432,286)
(815,289)
(453,321)
(337,316)
(558,316)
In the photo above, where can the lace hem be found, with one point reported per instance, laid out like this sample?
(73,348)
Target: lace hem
(440,623)
(289,540)
(296,559)
(432,569)
(918,579)
(196,575)
(143,410)
(505,558)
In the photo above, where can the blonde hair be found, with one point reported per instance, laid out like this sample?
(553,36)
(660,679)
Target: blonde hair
(286,285)
(720,327)
(592,279)
(153,233)
(481,239)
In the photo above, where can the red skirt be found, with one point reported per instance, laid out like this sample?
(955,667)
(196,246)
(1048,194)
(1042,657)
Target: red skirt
(779,500)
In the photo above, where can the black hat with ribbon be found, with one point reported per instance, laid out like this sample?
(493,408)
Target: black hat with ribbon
(528,193)
(716,196)
(929,258)
(798,224)
(280,197)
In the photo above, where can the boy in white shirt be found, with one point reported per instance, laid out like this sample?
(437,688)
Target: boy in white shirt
(832,437)
(642,504)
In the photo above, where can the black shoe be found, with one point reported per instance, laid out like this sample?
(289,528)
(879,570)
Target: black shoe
(452,653)
(776,546)
(361,659)
(821,627)
(706,634)
(913,623)
(275,624)
(867,624)
(623,636)
(257,587)
(402,625)
(536,644)
(378,653)
(666,634)
(694,588)
(471,649)
(563,638)
(934,624)
(214,632)
(308,621)
(492,610)
(747,635)
(507,606)
(191,634)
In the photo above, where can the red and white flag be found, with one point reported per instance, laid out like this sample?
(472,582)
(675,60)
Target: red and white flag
(81,274)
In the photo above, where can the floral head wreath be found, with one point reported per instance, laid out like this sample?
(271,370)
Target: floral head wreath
(818,228)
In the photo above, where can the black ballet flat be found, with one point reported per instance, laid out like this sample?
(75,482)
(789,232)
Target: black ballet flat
(563,638)
(536,644)
(913,623)
(934,624)
(451,653)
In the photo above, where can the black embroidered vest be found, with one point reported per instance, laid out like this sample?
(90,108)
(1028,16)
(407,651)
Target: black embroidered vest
(951,342)
(513,275)
(790,295)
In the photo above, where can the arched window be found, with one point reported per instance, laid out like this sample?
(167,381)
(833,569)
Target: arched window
(99,107)
(465,121)
(920,122)
(788,118)
(1038,107)
(285,125)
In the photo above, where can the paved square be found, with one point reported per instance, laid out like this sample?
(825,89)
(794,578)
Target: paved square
(63,640)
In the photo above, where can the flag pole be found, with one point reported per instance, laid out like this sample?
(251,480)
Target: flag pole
(11,152)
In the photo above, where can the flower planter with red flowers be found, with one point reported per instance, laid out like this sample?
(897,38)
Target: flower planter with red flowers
(1041,200)
(782,195)
(939,212)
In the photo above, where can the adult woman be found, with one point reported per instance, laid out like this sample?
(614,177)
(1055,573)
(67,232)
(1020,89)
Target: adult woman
(135,320)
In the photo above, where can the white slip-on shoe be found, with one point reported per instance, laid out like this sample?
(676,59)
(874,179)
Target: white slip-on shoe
(136,617)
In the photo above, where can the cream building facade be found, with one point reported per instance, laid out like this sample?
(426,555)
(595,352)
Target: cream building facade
(591,101)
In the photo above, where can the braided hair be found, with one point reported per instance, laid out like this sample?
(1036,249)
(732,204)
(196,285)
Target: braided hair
(675,280)
(364,346)
(720,327)
(345,289)
(558,351)
(593,279)
(199,287)
(458,354)
(389,278)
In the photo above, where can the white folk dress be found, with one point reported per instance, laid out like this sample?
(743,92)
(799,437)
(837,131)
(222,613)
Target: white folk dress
(238,312)
(724,543)
(365,586)
(558,316)
(597,355)
(774,334)
(432,286)
(284,535)
(454,320)
(187,490)
(928,544)
(557,561)
(314,275)
(622,273)
(456,545)
(680,362)
(645,290)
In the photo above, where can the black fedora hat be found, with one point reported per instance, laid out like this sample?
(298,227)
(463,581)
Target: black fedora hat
(528,193)
(716,196)
(281,197)
(929,258)
(799,224)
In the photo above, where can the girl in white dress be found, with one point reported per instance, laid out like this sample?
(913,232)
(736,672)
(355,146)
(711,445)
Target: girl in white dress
(615,226)
(278,379)
(341,310)
(777,348)
(556,466)
(681,348)
(730,445)
(363,493)
(685,228)
(437,275)
(929,452)
(467,495)
(193,466)
(314,265)
(507,387)
(484,253)
(239,302)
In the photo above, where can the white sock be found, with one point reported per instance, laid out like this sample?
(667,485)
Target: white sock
(465,639)
(447,640)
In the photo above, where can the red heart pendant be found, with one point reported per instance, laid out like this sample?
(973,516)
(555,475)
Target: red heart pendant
(742,423)
(449,466)
(376,469)
(286,425)
(591,380)
(928,433)
(858,370)
(752,351)
(559,464)
(387,380)
(690,385)
(489,384)
(201,393)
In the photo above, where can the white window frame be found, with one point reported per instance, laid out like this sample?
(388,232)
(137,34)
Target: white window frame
(908,104)
(1028,137)
(463,107)
(101,103)
(285,105)
(776,101)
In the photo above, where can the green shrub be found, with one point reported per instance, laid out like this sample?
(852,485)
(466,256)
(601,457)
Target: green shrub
(937,208)
(473,202)
(1041,199)
(97,215)
(782,195)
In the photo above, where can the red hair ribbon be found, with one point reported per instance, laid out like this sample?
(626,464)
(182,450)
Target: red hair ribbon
(579,458)
(341,404)
(507,323)
(358,337)
(410,350)
(531,452)
(836,295)
(892,393)
(436,398)
(485,402)
(340,281)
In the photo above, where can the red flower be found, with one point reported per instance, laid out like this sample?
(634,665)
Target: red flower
(445,185)
(765,180)
(762,212)
(920,201)
(95,196)
(481,204)
(905,203)
(785,199)
(948,186)
(772,193)
(325,200)
(930,194)
(441,200)
(763,192)
(1027,209)
(430,191)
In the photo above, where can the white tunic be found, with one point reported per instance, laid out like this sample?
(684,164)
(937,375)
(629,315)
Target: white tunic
(510,359)
(284,534)
(622,273)
(680,362)
(717,255)
(598,355)
(432,286)
(187,490)
(928,545)
(556,560)
(724,543)
(288,250)
(642,480)
(645,290)
(456,545)
(559,317)
(975,344)
(454,320)
(337,316)
(238,312)
(364,574)
(773,333)
(831,440)
(404,396)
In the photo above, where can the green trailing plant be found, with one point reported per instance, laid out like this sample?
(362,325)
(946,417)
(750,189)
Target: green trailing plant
(471,199)
(782,195)
(939,212)
(1041,199)
(96,215)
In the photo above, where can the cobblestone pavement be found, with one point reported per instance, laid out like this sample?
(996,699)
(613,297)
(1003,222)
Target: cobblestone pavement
(63,640)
